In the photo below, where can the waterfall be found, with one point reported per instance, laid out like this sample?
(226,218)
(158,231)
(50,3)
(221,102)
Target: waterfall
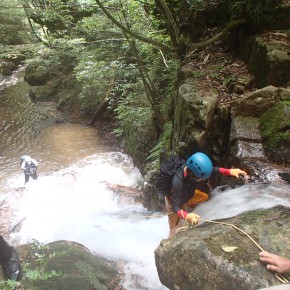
(75,204)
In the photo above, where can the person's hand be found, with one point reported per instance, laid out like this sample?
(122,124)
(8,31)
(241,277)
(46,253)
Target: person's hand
(274,262)
(192,218)
(237,172)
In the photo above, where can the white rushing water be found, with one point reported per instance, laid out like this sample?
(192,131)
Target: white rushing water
(231,202)
(76,204)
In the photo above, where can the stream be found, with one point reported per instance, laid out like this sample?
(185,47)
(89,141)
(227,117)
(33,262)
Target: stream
(71,199)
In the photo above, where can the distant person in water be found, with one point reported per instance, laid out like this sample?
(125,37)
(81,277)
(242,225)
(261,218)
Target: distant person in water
(29,166)
(9,261)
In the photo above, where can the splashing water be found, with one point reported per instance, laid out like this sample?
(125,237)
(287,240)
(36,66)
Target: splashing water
(231,202)
(75,204)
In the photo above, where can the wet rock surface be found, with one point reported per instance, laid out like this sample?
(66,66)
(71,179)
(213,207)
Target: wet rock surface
(196,258)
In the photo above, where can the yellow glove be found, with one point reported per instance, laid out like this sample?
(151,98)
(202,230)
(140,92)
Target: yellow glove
(236,172)
(192,218)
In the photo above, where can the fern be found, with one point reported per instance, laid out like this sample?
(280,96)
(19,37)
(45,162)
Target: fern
(162,146)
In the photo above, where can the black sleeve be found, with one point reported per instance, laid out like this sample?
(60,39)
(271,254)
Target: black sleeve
(177,188)
(216,170)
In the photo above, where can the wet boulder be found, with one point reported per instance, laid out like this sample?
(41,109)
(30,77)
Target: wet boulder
(7,68)
(37,75)
(220,256)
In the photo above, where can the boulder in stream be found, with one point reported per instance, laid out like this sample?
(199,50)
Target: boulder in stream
(197,258)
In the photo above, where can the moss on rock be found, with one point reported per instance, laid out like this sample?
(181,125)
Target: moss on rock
(65,265)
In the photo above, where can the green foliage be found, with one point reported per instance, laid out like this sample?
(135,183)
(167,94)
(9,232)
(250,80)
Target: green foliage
(99,31)
(13,23)
(57,17)
(61,56)
(40,274)
(135,122)
(252,10)
(96,72)
(39,262)
(8,285)
(115,58)
(163,146)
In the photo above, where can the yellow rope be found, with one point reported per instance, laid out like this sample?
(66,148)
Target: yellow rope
(231,225)
(280,277)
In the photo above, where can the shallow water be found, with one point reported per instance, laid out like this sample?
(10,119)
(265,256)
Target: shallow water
(75,204)
(70,199)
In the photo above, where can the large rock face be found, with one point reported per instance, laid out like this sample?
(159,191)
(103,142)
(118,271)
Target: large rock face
(261,123)
(194,109)
(198,259)
(268,58)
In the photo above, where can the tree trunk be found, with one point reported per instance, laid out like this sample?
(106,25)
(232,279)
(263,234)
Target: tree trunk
(103,105)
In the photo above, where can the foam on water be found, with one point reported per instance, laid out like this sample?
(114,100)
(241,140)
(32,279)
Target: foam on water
(231,202)
(75,204)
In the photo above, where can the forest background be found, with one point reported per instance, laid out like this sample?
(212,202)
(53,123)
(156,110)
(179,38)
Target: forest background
(126,57)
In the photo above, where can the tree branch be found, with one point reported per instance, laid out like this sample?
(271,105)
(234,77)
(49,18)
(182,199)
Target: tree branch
(132,33)
(233,24)
(171,20)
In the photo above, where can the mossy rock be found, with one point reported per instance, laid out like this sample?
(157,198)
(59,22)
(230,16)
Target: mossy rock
(275,124)
(206,265)
(65,265)
(267,60)
(275,119)
(36,74)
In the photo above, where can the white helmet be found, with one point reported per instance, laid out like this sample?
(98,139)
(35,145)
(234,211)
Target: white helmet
(25,158)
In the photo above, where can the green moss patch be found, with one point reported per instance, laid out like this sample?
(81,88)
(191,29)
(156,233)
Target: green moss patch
(275,119)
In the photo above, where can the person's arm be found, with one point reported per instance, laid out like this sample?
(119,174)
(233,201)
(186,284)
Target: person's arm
(230,171)
(177,186)
(22,166)
(274,262)
(176,199)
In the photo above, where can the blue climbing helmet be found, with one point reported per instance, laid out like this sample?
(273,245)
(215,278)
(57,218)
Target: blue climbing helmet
(200,165)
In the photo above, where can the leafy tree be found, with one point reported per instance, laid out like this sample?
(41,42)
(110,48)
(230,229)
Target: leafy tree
(13,24)
(55,16)
(177,39)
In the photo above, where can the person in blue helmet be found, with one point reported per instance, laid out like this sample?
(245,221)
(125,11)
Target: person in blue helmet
(189,187)
(29,167)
